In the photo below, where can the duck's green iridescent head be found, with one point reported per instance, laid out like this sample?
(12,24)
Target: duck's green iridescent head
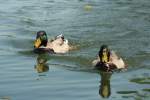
(41,39)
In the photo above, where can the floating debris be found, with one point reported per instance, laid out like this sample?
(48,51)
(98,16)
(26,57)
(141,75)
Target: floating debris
(88,7)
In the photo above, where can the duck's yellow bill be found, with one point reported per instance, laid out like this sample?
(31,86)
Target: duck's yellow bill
(104,58)
(37,43)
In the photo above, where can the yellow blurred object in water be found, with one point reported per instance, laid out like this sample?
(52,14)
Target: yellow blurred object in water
(88,7)
(41,68)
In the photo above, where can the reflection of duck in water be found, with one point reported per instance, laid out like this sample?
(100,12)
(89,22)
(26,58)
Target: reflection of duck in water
(41,66)
(105,88)
(107,60)
(58,45)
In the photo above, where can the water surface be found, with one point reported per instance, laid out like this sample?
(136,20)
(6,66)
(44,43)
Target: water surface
(122,24)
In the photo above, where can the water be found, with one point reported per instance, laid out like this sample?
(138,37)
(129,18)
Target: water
(122,24)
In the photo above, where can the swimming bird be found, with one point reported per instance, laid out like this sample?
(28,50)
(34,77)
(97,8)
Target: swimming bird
(107,60)
(58,45)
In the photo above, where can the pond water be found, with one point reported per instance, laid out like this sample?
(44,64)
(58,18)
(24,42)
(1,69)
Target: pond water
(121,24)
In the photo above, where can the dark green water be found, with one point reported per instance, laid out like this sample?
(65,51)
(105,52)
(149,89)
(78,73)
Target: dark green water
(122,24)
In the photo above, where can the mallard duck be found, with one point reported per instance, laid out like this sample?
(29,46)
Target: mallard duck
(58,45)
(107,60)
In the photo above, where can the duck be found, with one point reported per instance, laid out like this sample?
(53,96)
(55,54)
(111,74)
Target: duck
(107,60)
(57,45)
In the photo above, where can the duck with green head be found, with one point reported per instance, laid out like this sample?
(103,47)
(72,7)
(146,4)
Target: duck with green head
(57,45)
(108,60)
(41,42)
(41,39)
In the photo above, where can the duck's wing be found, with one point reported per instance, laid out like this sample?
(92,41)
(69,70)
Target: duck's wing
(113,55)
(64,48)
(119,63)
(117,60)
(60,36)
